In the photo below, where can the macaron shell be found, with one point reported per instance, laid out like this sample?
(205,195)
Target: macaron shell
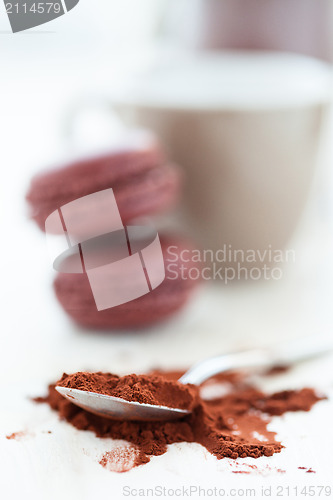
(142,181)
(74,294)
(155,191)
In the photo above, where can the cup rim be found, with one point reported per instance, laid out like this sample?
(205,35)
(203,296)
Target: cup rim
(309,82)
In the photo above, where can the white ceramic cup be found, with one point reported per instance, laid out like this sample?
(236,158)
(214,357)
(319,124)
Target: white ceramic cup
(246,128)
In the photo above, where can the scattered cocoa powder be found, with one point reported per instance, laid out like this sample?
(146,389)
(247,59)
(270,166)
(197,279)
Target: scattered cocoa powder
(148,389)
(277,370)
(283,401)
(231,426)
(16,435)
(121,459)
(245,468)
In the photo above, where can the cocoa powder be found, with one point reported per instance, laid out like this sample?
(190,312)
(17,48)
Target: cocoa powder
(16,435)
(152,389)
(232,426)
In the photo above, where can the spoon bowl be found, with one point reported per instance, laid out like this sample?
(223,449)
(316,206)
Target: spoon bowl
(118,408)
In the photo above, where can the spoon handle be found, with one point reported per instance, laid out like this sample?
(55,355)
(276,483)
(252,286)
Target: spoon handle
(233,361)
(281,354)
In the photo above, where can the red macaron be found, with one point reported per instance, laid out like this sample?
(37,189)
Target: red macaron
(143,182)
(181,279)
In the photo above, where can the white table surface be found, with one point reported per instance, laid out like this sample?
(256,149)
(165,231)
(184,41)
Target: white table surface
(38,342)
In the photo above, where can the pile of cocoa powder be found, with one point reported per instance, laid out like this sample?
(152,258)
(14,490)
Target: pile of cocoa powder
(232,426)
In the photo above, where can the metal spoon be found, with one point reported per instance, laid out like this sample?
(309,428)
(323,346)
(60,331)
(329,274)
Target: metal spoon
(120,409)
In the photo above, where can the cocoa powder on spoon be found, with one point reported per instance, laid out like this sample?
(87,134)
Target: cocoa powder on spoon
(148,389)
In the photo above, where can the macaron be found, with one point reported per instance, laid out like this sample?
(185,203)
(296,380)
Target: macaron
(143,182)
(181,280)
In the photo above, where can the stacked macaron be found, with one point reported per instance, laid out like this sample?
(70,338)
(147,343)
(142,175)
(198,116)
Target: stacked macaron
(144,183)
(142,180)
